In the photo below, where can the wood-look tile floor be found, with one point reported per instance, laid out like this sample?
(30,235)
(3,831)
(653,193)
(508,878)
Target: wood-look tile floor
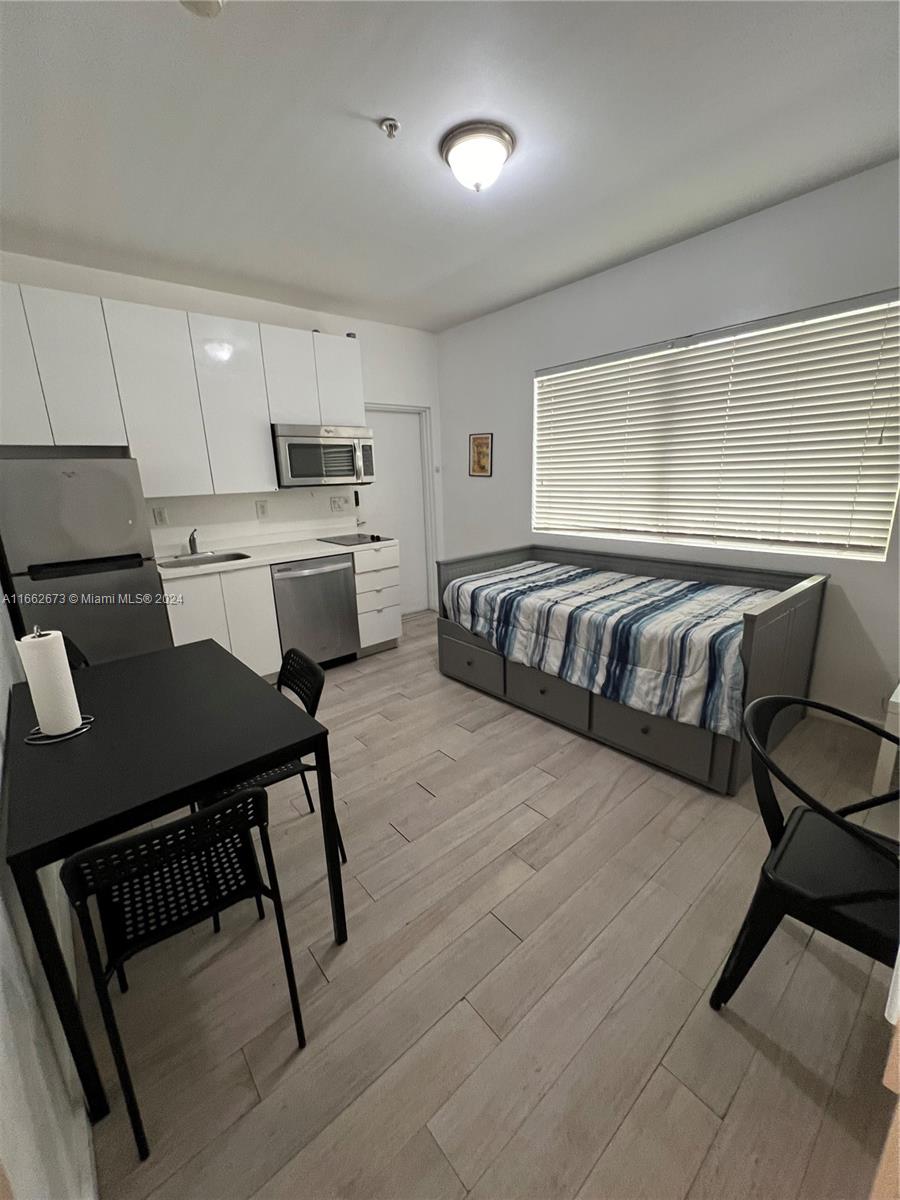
(521,1009)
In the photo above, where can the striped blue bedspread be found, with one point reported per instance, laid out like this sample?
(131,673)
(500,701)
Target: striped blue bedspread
(670,647)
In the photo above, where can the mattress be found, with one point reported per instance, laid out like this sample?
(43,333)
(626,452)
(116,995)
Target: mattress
(670,647)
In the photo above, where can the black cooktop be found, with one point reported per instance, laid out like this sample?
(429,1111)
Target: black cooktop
(355,539)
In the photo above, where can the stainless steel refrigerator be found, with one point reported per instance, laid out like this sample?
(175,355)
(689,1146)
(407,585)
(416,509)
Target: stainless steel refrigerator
(78,553)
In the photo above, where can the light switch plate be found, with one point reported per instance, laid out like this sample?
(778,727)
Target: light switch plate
(160,516)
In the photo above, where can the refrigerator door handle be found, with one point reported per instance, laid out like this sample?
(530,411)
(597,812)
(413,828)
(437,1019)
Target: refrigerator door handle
(89,566)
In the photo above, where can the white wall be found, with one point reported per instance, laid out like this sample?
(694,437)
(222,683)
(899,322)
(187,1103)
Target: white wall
(399,365)
(838,242)
(45,1141)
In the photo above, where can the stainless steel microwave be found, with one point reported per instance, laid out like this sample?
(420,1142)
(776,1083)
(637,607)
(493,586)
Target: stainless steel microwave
(312,455)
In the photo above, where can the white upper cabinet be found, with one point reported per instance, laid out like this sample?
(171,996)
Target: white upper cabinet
(339,374)
(154,364)
(229,366)
(23,415)
(72,351)
(290,366)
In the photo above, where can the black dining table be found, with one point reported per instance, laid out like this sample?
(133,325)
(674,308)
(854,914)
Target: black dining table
(170,727)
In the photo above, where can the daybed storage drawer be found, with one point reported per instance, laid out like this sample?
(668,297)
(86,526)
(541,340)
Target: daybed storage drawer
(686,749)
(481,668)
(376,558)
(547,695)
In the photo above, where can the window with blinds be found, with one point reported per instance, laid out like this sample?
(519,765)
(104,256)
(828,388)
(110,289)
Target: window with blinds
(780,434)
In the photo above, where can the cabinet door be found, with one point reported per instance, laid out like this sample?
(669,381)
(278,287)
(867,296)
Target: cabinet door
(339,374)
(72,351)
(290,367)
(151,349)
(233,399)
(201,611)
(252,624)
(23,414)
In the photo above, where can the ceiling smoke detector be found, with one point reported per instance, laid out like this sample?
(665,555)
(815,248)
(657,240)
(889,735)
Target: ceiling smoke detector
(477,152)
(204,8)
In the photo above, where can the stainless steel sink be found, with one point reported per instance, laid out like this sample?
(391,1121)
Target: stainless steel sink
(206,558)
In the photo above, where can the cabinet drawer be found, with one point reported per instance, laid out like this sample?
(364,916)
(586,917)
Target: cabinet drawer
(686,749)
(379,626)
(376,558)
(374,601)
(548,695)
(374,581)
(478,667)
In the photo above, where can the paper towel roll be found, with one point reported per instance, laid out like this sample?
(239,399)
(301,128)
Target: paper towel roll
(46,666)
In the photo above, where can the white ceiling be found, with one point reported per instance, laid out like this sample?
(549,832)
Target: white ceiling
(242,153)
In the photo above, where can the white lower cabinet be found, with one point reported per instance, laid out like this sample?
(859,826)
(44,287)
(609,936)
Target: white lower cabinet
(376,581)
(252,624)
(200,613)
(378,594)
(378,599)
(380,625)
(236,608)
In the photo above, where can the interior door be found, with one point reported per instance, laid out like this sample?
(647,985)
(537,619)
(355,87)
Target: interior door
(394,505)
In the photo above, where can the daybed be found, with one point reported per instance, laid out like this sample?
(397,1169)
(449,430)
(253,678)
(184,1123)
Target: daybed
(776,647)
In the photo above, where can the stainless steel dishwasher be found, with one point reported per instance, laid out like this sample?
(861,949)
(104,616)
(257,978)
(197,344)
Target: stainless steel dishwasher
(315,601)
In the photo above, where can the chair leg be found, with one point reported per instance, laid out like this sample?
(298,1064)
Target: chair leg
(112,1032)
(762,919)
(123,979)
(340,842)
(283,937)
(259,907)
(309,799)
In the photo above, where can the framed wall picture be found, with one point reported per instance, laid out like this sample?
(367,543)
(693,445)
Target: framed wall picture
(481,454)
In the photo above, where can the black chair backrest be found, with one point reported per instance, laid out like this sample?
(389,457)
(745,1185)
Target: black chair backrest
(74,654)
(758,719)
(304,677)
(100,868)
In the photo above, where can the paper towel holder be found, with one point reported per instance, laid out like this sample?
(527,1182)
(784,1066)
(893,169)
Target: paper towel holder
(36,737)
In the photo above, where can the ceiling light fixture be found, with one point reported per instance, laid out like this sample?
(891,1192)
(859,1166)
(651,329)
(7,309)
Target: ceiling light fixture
(218,351)
(476,152)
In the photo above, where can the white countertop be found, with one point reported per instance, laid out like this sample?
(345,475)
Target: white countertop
(266,555)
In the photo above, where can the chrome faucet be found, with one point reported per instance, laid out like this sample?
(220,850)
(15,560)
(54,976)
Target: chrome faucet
(192,542)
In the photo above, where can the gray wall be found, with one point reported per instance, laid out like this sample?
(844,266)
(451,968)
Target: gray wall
(834,243)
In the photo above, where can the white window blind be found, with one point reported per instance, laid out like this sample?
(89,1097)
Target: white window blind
(781,434)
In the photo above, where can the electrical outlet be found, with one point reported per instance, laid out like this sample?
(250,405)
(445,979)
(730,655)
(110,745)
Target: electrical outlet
(339,503)
(262,510)
(160,516)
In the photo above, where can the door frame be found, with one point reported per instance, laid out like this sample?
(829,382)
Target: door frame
(426,450)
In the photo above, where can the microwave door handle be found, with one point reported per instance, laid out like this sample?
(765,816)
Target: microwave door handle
(357,454)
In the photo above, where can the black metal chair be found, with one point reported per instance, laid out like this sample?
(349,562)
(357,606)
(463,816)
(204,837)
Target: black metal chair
(159,882)
(823,869)
(74,653)
(304,677)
